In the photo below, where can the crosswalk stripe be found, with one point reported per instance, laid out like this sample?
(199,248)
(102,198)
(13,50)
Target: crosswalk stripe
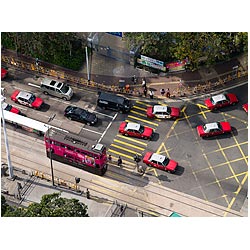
(128,144)
(140,108)
(136,118)
(143,103)
(144,115)
(133,140)
(125,149)
(121,154)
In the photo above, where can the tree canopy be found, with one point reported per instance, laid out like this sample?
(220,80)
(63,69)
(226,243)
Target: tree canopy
(51,205)
(206,47)
(65,49)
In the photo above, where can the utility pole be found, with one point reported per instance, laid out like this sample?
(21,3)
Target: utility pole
(6,142)
(87,62)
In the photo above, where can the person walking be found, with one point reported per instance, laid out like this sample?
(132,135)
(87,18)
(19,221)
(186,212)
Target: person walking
(162,92)
(119,161)
(87,194)
(110,158)
(168,93)
(151,94)
(145,91)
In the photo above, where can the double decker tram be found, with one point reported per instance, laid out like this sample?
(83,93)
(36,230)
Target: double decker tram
(75,150)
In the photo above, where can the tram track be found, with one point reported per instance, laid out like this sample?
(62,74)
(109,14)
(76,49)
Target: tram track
(135,196)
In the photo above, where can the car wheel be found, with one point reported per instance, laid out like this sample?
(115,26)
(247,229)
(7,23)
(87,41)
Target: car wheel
(64,98)
(234,103)
(69,118)
(45,92)
(145,138)
(88,123)
(126,134)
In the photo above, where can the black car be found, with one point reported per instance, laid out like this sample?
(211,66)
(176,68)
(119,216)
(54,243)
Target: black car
(81,115)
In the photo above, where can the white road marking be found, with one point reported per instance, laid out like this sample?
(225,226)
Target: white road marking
(33,85)
(92,131)
(102,114)
(105,131)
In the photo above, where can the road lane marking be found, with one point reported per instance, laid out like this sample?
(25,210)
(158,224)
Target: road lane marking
(143,103)
(92,131)
(133,140)
(140,108)
(125,149)
(145,125)
(128,144)
(34,85)
(237,192)
(105,131)
(136,118)
(103,114)
(121,154)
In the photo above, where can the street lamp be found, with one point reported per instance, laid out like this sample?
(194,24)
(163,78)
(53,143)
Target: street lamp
(6,142)
(87,62)
(50,151)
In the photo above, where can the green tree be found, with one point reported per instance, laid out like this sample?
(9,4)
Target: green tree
(51,205)
(61,48)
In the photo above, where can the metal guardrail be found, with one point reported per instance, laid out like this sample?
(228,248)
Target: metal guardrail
(23,63)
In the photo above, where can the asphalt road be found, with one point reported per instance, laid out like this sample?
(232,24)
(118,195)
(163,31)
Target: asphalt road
(211,169)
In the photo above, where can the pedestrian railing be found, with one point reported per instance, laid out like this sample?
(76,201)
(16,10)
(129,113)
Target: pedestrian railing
(29,64)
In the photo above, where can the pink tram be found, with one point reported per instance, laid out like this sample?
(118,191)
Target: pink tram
(77,151)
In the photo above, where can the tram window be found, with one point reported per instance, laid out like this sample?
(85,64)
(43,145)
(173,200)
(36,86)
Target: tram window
(57,143)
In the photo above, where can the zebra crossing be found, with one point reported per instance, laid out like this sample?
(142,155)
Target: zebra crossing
(128,147)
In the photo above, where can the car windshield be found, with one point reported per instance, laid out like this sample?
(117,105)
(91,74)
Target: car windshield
(212,100)
(8,107)
(141,129)
(84,114)
(165,162)
(65,89)
(32,98)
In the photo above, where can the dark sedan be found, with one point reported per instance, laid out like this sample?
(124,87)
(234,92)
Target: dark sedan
(81,115)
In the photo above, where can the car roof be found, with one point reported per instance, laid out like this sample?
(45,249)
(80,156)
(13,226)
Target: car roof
(52,82)
(25,95)
(158,158)
(4,105)
(159,108)
(213,125)
(133,126)
(79,111)
(218,98)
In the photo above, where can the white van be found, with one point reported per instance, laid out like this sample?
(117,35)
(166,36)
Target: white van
(56,88)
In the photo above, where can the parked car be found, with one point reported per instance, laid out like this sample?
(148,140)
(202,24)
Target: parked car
(163,112)
(245,107)
(160,162)
(10,108)
(222,100)
(213,129)
(135,130)
(4,73)
(27,99)
(81,115)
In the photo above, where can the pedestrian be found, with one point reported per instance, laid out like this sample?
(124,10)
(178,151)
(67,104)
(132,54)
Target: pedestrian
(168,93)
(151,94)
(162,92)
(110,158)
(119,161)
(145,91)
(134,79)
(87,194)
(143,83)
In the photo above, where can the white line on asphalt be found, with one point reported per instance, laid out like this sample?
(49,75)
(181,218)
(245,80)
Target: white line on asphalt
(33,85)
(102,114)
(92,131)
(107,128)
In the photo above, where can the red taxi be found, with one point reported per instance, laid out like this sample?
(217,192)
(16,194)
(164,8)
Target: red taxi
(245,107)
(27,99)
(3,73)
(136,130)
(160,162)
(163,112)
(213,129)
(222,100)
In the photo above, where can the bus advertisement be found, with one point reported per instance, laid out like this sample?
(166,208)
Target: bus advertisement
(76,151)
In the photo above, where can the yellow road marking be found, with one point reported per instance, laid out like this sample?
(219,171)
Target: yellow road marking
(143,103)
(165,150)
(136,118)
(201,106)
(236,118)
(117,176)
(128,144)
(242,143)
(140,108)
(202,112)
(114,162)
(183,109)
(121,154)
(237,192)
(125,149)
(144,115)
(133,140)
(189,116)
